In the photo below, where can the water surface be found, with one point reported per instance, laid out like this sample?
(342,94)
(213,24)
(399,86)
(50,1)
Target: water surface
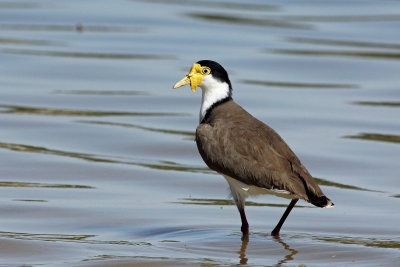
(98,164)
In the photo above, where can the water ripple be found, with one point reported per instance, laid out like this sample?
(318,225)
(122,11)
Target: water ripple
(233,19)
(77,54)
(150,129)
(217,4)
(376,137)
(300,84)
(158,164)
(228,202)
(336,53)
(68,238)
(344,18)
(21,5)
(21,41)
(334,42)
(378,103)
(42,185)
(368,242)
(70,28)
(102,92)
(70,112)
(343,186)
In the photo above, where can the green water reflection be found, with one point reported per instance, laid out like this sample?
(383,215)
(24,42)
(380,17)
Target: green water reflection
(368,242)
(71,28)
(336,53)
(234,19)
(339,185)
(376,137)
(20,41)
(300,84)
(70,112)
(228,202)
(159,165)
(30,200)
(335,42)
(93,55)
(344,18)
(150,129)
(375,103)
(43,185)
(216,4)
(102,92)
(22,5)
(88,239)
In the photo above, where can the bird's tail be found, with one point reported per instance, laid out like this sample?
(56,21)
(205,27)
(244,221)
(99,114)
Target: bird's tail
(322,202)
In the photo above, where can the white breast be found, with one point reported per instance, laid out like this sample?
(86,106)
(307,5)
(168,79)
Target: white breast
(212,92)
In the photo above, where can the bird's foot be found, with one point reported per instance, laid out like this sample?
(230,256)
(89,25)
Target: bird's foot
(245,229)
(275,233)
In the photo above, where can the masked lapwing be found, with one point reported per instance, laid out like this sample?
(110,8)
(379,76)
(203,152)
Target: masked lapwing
(252,157)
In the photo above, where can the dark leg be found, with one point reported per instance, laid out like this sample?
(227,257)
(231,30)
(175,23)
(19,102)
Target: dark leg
(277,228)
(245,225)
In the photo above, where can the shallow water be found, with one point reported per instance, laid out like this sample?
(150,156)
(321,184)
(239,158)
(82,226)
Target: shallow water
(97,154)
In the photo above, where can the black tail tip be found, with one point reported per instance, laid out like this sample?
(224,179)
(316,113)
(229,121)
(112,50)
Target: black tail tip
(329,204)
(323,202)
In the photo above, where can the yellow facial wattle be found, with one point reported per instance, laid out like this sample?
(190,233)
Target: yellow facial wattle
(194,77)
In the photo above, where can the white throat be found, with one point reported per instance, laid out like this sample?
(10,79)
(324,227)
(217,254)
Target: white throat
(212,92)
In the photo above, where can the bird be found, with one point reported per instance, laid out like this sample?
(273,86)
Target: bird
(253,158)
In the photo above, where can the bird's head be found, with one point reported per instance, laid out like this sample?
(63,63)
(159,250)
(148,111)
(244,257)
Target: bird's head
(208,75)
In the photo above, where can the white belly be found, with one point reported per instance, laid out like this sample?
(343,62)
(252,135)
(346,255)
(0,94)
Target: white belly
(240,191)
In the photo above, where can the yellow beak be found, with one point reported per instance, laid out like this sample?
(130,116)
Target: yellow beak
(195,77)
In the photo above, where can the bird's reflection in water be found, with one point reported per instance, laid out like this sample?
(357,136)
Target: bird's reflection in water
(288,257)
(242,252)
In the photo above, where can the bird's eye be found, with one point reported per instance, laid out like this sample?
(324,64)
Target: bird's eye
(205,70)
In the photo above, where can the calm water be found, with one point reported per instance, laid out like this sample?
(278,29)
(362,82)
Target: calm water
(98,164)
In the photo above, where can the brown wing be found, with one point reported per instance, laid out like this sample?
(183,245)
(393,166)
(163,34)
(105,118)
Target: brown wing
(234,143)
